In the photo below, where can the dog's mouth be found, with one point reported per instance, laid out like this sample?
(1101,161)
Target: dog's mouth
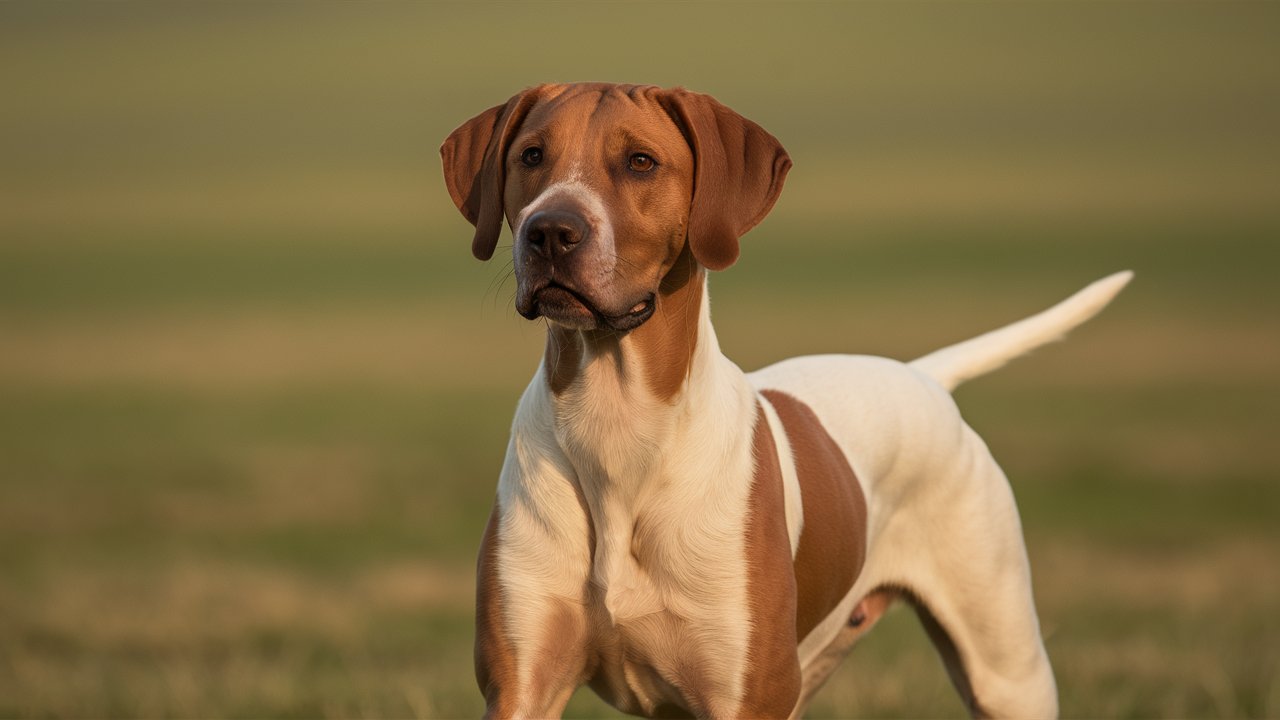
(568,307)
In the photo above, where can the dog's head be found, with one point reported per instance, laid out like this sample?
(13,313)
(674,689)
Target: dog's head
(605,187)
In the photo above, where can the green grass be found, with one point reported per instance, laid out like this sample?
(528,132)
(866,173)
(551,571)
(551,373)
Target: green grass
(254,392)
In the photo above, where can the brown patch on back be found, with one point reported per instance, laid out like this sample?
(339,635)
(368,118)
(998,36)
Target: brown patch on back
(667,341)
(772,682)
(494,657)
(833,543)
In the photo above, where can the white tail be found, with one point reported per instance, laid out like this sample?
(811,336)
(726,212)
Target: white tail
(963,361)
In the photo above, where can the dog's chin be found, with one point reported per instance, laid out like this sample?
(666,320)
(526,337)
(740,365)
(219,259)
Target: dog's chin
(565,307)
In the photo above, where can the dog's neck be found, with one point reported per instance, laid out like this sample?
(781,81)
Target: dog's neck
(623,401)
(646,419)
(658,354)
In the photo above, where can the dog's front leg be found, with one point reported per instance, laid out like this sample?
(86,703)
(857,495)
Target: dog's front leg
(532,633)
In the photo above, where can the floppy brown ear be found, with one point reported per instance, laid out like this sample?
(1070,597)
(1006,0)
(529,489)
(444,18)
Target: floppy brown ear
(475,169)
(738,174)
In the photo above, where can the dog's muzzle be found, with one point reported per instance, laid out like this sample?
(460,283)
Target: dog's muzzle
(560,277)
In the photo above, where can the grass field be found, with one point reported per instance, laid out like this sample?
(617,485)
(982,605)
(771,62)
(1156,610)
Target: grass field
(254,390)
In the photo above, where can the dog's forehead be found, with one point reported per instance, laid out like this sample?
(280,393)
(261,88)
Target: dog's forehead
(602,111)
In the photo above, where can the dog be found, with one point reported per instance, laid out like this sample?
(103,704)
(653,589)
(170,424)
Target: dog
(686,538)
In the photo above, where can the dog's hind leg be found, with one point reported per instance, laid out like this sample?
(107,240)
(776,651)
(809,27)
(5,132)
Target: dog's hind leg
(973,594)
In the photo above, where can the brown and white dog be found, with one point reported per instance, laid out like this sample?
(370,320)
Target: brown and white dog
(687,538)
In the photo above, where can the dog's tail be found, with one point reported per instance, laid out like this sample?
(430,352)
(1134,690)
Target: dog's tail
(966,360)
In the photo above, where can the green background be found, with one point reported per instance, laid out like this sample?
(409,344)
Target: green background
(254,391)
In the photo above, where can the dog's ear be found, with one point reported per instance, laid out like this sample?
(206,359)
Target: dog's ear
(474,159)
(739,169)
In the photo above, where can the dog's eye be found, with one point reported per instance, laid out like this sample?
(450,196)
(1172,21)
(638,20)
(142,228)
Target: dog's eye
(531,156)
(641,162)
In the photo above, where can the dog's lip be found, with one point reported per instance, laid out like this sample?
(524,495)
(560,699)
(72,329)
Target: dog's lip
(563,299)
(560,298)
(635,317)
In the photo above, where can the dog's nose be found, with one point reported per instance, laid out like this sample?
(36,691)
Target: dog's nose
(554,232)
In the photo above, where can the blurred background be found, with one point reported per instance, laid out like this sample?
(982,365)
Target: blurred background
(254,390)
